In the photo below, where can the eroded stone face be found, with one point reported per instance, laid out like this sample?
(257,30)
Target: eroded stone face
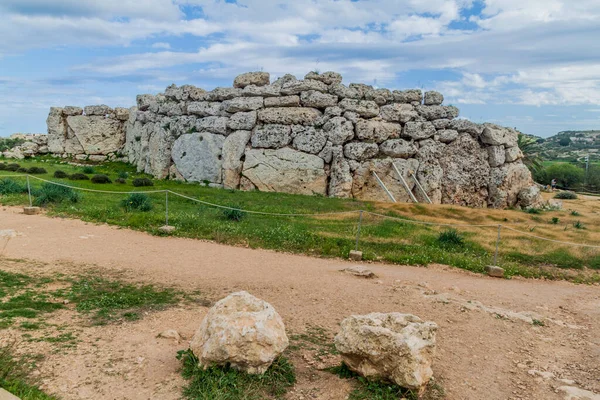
(198,157)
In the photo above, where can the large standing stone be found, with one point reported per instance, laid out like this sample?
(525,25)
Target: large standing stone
(397,348)
(364,108)
(506,183)
(340,181)
(252,78)
(419,130)
(285,170)
(377,130)
(271,136)
(96,134)
(241,331)
(366,187)
(308,139)
(198,156)
(233,150)
(360,151)
(399,113)
(289,115)
(339,130)
(56,130)
(398,148)
(316,99)
(430,173)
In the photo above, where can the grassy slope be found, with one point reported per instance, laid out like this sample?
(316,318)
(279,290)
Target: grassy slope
(334,236)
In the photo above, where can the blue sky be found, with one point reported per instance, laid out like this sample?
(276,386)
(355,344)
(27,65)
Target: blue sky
(529,64)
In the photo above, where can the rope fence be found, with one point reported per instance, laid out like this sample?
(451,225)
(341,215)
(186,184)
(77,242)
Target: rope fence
(359,222)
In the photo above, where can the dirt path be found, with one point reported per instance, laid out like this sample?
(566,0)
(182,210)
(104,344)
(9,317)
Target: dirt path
(488,345)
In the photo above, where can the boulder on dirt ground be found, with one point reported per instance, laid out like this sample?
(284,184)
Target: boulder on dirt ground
(360,271)
(242,331)
(575,393)
(495,272)
(170,334)
(393,347)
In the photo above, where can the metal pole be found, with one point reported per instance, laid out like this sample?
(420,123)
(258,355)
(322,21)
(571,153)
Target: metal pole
(384,188)
(29,192)
(497,245)
(166,208)
(412,196)
(358,230)
(421,187)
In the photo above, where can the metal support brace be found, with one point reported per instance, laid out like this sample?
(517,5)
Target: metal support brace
(421,187)
(412,196)
(384,188)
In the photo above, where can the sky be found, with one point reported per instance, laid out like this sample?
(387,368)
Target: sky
(529,64)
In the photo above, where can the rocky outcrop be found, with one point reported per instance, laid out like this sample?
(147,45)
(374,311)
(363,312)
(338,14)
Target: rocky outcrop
(310,136)
(241,331)
(397,348)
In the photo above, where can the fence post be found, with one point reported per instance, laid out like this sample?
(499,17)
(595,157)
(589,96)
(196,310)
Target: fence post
(358,230)
(29,192)
(166,208)
(497,245)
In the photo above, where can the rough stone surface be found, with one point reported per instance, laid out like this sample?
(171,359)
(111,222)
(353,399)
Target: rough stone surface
(243,121)
(285,170)
(289,115)
(198,156)
(364,108)
(241,104)
(433,98)
(252,78)
(284,101)
(447,135)
(365,185)
(242,331)
(376,130)
(360,151)
(95,134)
(233,150)
(394,347)
(340,182)
(495,135)
(339,130)
(271,136)
(360,271)
(399,113)
(497,155)
(317,99)
(398,148)
(308,139)
(419,130)
(408,96)
(506,183)
(513,154)
(100,110)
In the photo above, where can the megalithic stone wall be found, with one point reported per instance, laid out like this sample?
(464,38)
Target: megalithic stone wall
(310,136)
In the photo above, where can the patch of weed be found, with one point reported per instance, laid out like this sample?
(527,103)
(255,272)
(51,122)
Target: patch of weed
(60,174)
(53,194)
(137,201)
(79,177)
(142,182)
(450,238)
(88,170)
(14,377)
(101,179)
(234,214)
(10,186)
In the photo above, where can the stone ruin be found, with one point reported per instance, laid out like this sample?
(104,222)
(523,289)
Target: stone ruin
(314,136)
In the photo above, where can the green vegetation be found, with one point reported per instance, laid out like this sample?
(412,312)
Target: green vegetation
(233,213)
(10,186)
(566,195)
(555,220)
(8,143)
(101,178)
(137,201)
(53,194)
(60,174)
(141,182)
(528,147)
(88,170)
(79,177)
(578,225)
(37,171)
(450,239)
(225,383)
(15,379)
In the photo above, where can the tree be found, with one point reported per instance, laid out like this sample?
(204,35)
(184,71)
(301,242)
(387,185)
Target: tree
(531,156)
(565,174)
(564,141)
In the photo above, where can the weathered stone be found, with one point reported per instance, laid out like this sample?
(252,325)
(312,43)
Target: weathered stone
(252,78)
(441,124)
(242,104)
(430,173)
(364,108)
(344,92)
(284,101)
(452,112)
(393,347)
(408,96)
(506,183)
(340,177)
(366,187)
(289,115)
(100,110)
(433,98)
(379,96)
(271,136)
(204,108)
(122,114)
(308,139)
(212,124)
(497,155)
(447,135)
(361,88)
(328,78)
(316,99)
(287,78)
(193,93)
(399,113)
(466,126)
(261,91)
(171,109)
(513,154)
(95,134)
(243,121)
(297,87)
(198,156)
(339,130)
(495,272)
(285,170)
(530,197)
(432,113)
(221,94)
(360,151)
(419,130)
(377,130)
(499,136)
(398,148)
(56,130)
(241,331)
(333,112)
(233,150)
(360,271)
(69,111)
(355,255)
(327,153)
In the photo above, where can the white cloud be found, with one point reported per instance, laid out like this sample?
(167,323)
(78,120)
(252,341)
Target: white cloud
(161,45)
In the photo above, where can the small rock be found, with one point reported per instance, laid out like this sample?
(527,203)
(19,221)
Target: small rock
(356,255)
(360,271)
(494,271)
(170,334)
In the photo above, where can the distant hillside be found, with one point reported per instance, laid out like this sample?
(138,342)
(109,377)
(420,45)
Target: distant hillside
(570,146)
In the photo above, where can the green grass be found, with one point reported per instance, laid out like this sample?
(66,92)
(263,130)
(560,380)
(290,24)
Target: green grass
(225,383)
(15,379)
(381,239)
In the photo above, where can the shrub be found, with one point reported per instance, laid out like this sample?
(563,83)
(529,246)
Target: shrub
(139,182)
(79,177)
(578,225)
(567,175)
(9,186)
(450,238)
(233,214)
(50,193)
(137,201)
(565,195)
(123,175)
(88,170)
(22,170)
(120,180)
(575,213)
(2,166)
(13,167)
(37,170)
(60,174)
(101,178)
(554,220)
(533,210)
